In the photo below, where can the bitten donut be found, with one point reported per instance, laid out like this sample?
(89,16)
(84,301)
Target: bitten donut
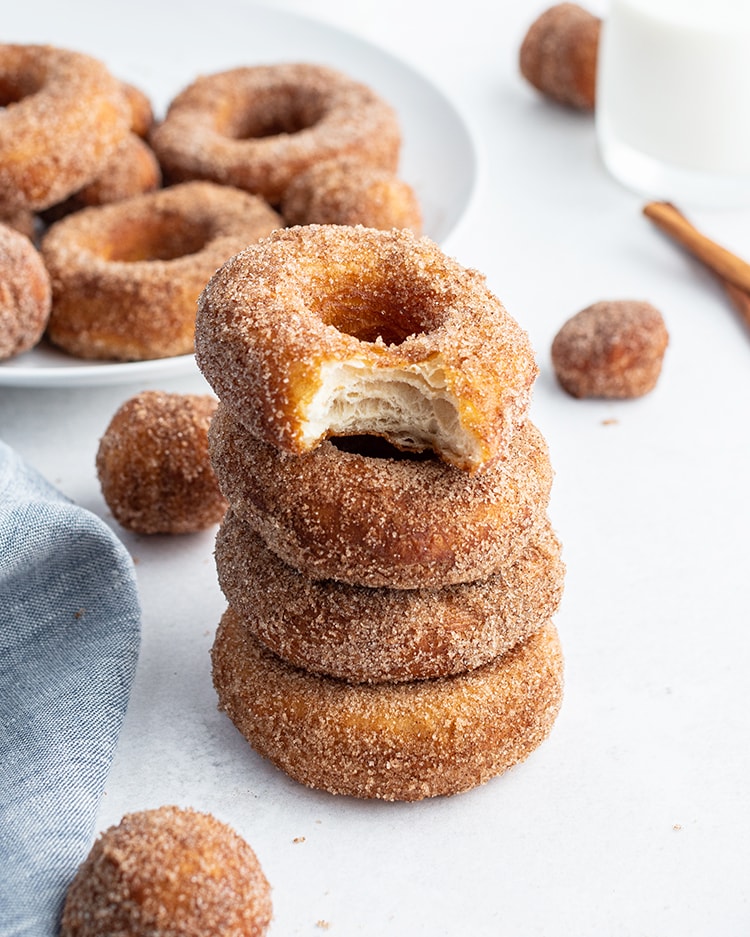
(168,872)
(394,741)
(257,127)
(63,114)
(347,191)
(327,330)
(126,276)
(153,464)
(25,293)
(387,519)
(386,635)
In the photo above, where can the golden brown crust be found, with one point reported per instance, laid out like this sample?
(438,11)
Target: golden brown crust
(141,111)
(25,293)
(394,741)
(64,115)
(559,55)
(168,872)
(383,521)
(386,635)
(347,191)
(153,464)
(126,276)
(305,298)
(257,127)
(611,349)
(132,170)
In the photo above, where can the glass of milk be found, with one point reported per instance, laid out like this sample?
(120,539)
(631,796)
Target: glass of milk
(673,99)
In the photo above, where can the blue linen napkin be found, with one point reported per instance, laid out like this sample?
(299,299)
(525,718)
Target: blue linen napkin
(69,641)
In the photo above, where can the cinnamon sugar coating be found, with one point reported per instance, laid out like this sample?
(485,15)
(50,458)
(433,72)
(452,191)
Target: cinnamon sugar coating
(131,170)
(275,319)
(393,741)
(141,111)
(126,276)
(389,521)
(347,191)
(559,55)
(257,127)
(386,635)
(168,872)
(63,115)
(25,293)
(611,349)
(153,464)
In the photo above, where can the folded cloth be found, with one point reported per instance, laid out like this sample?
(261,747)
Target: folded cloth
(69,639)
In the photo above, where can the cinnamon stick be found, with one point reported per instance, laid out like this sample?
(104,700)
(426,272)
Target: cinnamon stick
(723,263)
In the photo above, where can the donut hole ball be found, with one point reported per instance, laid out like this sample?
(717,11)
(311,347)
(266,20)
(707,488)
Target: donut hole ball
(611,349)
(25,293)
(559,55)
(168,872)
(347,191)
(154,468)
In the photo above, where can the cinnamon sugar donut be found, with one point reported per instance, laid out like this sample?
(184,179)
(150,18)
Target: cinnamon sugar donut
(386,635)
(168,872)
(385,519)
(62,116)
(25,293)
(347,191)
(394,741)
(126,276)
(153,464)
(331,330)
(257,127)
(131,170)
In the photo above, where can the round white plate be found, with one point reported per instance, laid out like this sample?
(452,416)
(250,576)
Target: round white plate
(162,51)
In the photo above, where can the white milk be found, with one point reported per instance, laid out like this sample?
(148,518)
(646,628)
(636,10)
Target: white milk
(673,98)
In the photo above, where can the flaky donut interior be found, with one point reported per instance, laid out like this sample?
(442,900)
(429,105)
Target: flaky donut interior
(410,406)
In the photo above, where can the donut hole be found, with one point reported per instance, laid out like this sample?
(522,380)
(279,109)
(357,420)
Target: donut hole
(375,447)
(273,113)
(159,238)
(14,88)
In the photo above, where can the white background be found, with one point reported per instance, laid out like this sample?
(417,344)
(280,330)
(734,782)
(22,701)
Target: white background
(632,819)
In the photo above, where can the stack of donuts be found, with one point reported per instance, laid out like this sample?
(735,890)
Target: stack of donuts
(387,557)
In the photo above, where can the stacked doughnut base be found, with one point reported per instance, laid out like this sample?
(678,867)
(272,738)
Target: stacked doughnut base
(389,629)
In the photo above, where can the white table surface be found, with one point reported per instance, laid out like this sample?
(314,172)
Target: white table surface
(632,818)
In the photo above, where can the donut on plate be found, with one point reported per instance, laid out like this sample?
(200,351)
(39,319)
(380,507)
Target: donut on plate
(386,635)
(25,293)
(348,191)
(168,872)
(387,519)
(257,127)
(394,741)
(126,276)
(131,170)
(328,330)
(63,114)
